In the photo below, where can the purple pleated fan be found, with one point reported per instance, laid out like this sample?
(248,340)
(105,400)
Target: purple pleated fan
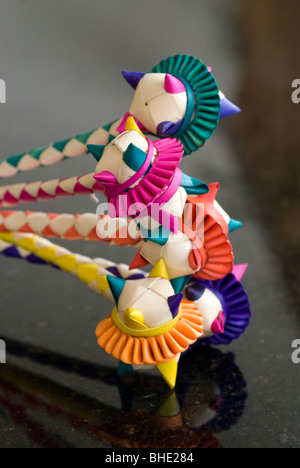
(235,303)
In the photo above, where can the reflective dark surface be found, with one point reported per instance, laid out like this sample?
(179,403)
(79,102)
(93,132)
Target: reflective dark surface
(58,389)
(210,398)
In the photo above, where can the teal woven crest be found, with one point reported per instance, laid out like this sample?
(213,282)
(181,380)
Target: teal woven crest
(205,91)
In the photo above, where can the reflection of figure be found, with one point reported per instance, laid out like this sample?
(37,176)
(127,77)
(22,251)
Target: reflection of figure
(182,418)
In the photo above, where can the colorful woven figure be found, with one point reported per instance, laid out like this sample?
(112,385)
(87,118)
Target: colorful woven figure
(178,98)
(193,291)
(137,175)
(224,305)
(151,323)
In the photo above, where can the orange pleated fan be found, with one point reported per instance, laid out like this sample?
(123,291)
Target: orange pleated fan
(156,349)
(212,251)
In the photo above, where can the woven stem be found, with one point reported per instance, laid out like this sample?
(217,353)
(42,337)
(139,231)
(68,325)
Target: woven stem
(52,154)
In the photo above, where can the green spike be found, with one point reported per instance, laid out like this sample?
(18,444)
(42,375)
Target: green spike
(97,151)
(160,236)
(193,186)
(14,160)
(83,137)
(60,145)
(125,369)
(234,225)
(134,157)
(36,153)
(116,286)
(108,126)
(180,283)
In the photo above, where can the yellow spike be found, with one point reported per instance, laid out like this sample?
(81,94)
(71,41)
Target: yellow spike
(48,254)
(28,243)
(87,273)
(102,283)
(169,372)
(67,263)
(160,270)
(8,237)
(170,406)
(134,319)
(131,125)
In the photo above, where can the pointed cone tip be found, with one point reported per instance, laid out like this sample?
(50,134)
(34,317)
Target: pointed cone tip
(138,262)
(239,271)
(133,78)
(228,108)
(169,372)
(173,85)
(174,303)
(105,177)
(218,325)
(116,286)
(97,151)
(125,369)
(234,225)
(159,270)
(132,125)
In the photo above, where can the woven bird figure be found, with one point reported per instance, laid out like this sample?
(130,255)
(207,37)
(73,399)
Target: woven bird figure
(178,98)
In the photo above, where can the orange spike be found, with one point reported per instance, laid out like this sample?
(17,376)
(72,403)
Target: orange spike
(138,262)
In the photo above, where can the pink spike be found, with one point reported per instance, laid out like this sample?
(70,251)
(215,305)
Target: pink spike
(209,69)
(61,193)
(218,326)
(239,271)
(24,196)
(173,85)
(105,181)
(122,127)
(105,178)
(79,188)
(44,195)
(9,198)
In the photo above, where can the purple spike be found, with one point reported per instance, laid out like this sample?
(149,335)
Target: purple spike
(12,252)
(228,108)
(174,303)
(34,259)
(195,291)
(114,271)
(136,277)
(166,129)
(133,78)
